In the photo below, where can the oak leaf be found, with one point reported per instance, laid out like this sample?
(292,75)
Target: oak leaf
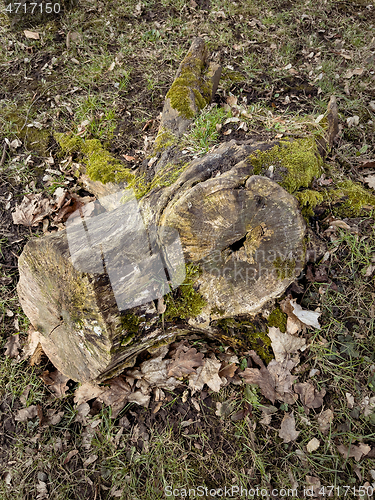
(185,363)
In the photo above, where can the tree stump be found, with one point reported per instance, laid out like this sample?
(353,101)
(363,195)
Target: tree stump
(95,290)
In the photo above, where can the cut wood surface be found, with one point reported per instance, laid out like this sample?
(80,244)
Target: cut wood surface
(92,289)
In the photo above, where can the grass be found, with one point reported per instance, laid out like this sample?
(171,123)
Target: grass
(254,41)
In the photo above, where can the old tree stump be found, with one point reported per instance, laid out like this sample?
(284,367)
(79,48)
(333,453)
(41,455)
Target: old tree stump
(226,223)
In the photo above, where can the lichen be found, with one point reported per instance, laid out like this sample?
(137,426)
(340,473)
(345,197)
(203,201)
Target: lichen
(191,80)
(277,319)
(296,162)
(100,164)
(284,267)
(185,302)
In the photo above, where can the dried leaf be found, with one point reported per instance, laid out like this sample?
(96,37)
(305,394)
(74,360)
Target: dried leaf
(139,398)
(263,379)
(370,180)
(287,430)
(185,363)
(26,413)
(312,445)
(116,396)
(309,318)
(370,270)
(33,35)
(324,420)
(309,396)
(12,346)
(352,121)
(284,344)
(87,391)
(56,381)
(90,460)
(206,374)
(71,454)
(228,370)
(32,210)
(357,452)
(154,372)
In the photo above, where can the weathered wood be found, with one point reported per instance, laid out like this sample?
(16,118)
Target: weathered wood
(92,289)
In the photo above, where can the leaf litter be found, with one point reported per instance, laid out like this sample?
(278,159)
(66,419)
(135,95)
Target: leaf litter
(178,364)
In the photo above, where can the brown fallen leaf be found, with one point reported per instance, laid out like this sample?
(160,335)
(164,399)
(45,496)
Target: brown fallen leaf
(313,486)
(312,445)
(56,381)
(309,396)
(33,35)
(332,121)
(139,398)
(208,374)
(287,430)
(154,371)
(32,210)
(263,379)
(12,346)
(357,452)
(71,454)
(367,164)
(116,396)
(293,324)
(370,180)
(87,391)
(185,363)
(324,420)
(284,344)
(26,413)
(228,370)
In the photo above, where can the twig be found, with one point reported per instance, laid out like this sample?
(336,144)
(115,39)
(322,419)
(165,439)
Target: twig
(4,154)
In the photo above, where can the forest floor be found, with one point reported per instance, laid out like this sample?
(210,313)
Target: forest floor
(103,70)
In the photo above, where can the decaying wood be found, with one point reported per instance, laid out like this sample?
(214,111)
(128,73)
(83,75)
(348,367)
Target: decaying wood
(244,231)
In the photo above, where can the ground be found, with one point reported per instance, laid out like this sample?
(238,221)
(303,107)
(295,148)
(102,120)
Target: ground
(103,70)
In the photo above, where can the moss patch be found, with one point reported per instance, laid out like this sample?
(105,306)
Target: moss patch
(254,337)
(100,164)
(185,302)
(190,90)
(354,198)
(295,163)
(308,200)
(277,319)
(164,139)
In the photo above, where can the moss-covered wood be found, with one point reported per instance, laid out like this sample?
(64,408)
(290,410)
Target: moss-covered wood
(240,230)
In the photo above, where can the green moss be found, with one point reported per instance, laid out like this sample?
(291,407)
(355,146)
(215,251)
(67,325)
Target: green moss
(255,339)
(130,322)
(353,197)
(308,200)
(185,302)
(164,177)
(100,164)
(295,162)
(277,319)
(284,268)
(164,139)
(190,80)
(261,343)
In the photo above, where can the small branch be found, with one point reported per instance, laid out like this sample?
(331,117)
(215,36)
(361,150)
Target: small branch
(4,154)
